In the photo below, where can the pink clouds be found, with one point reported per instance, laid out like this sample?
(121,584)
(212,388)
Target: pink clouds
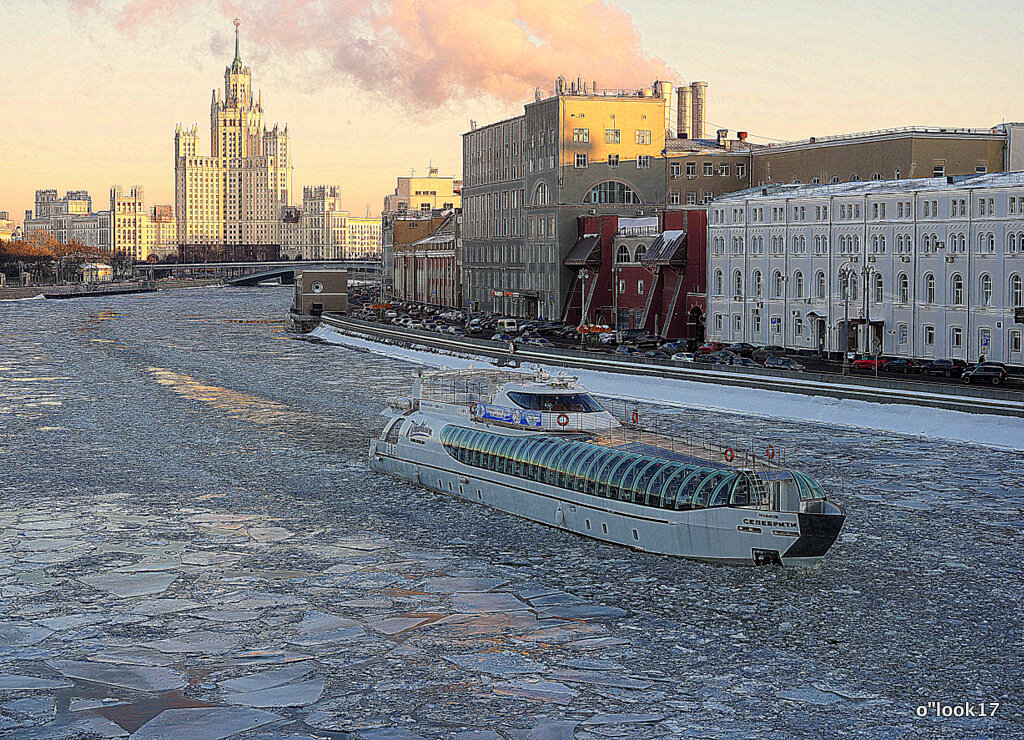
(429,52)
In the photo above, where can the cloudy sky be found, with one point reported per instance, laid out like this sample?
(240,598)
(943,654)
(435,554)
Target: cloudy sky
(372,89)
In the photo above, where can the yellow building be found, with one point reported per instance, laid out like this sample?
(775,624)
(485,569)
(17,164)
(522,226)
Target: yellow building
(363,237)
(132,230)
(424,194)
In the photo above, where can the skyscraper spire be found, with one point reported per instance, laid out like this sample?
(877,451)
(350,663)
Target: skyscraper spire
(237,23)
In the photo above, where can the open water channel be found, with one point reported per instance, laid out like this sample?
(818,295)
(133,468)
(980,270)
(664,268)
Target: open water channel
(193,546)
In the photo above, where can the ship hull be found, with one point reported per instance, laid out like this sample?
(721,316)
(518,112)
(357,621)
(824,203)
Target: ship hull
(732,535)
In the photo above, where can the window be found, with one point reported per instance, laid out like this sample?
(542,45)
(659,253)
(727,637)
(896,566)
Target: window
(611,191)
(876,176)
(622,255)
(741,170)
(798,284)
(929,336)
(879,288)
(1016,291)
(929,288)
(709,169)
(904,283)
(719,287)
(737,325)
(673,199)
(719,323)
(939,170)
(957,284)
(1013,205)
(691,170)
(622,287)
(581,160)
(1015,340)
(691,198)
(643,162)
(581,135)
(903,332)
(956,337)
(737,282)
(986,290)
(643,136)
(820,285)
(723,170)
(611,136)
(639,286)
(757,282)
(778,285)
(541,194)
(641,252)
(674,169)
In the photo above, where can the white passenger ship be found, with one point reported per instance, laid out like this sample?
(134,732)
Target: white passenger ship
(543,448)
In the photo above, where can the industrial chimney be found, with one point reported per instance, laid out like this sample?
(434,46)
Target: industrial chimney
(697,95)
(683,113)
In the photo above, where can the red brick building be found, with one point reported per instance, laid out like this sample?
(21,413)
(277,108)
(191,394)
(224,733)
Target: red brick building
(646,272)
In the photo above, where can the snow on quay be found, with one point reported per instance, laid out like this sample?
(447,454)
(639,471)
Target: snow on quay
(985,429)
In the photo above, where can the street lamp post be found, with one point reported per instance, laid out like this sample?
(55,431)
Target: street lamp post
(871,344)
(583,275)
(615,301)
(846,271)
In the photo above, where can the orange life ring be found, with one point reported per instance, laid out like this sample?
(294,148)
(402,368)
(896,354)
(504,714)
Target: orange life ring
(729,455)
(636,417)
(769,452)
(563,419)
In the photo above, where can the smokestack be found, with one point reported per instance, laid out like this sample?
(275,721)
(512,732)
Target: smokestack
(698,93)
(683,114)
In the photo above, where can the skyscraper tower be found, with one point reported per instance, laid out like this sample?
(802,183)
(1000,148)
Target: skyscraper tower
(234,197)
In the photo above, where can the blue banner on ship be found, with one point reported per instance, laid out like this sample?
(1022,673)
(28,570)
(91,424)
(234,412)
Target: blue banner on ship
(509,416)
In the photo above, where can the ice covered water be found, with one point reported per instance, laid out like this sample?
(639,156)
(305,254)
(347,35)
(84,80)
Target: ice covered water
(192,545)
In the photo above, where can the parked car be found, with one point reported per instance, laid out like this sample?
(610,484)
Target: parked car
(945,368)
(903,365)
(743,362)
(763,353)
(782,363)
(539,342)
(868,363)
(709,347)
(722,357)
(741,348)
(657,354)
(687,357)
(499,337)
(985,373)
(626,349)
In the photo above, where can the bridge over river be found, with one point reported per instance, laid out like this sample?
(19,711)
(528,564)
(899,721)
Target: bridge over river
(251,273)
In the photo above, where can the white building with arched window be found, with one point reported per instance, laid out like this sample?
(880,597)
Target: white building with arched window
(937,267)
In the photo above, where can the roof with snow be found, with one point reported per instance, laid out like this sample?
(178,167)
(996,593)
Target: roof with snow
(876,187)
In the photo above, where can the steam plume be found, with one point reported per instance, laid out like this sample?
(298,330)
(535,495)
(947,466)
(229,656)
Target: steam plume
(428,52)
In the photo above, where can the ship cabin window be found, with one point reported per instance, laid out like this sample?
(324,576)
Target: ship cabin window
(556,402)
(393,432)
(610,472)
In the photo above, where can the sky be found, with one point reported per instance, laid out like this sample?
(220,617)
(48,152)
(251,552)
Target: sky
(376,89)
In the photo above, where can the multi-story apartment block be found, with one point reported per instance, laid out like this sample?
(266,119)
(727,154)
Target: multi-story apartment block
(427,270)
(424,194)
(69,219)
(322,223)
(165,231)
(362,237)
(231,201)
(7,226)
(924,268)
(700,170)
(133,230)
(528,179)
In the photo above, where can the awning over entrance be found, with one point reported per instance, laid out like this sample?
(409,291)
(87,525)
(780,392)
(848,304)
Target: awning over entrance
(585,252)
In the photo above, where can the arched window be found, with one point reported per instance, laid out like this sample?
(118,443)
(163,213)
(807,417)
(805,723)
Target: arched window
(874,243)
(777,285)
(622,254)
(899,241)
(986,290)
(1016,291)
(881,243)
(957,284)
(820,285)
(758,284)
(834,180)
(876,176)
(719,287)
(541,194)
(991,240)
(926,243)
(1011,245)
(641,251)
(611,191)
(798,284)
(879,288)
(737,283)
(962,241)
(904,288)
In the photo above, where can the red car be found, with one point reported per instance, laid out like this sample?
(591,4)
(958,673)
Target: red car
(868,363)
(709,347)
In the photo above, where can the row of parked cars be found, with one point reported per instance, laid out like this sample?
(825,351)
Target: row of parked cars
(994,373)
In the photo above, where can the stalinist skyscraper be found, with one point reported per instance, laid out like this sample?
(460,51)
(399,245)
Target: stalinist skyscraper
(229,203)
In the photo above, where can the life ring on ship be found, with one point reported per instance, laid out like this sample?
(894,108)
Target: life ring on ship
(562,419)
(769,452)
(472,408)
(729,455)
(636,417)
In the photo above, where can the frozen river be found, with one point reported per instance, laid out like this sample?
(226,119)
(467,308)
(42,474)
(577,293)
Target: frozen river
(192,546)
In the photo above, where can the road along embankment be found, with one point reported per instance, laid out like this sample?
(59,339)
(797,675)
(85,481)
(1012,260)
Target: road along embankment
(966,399)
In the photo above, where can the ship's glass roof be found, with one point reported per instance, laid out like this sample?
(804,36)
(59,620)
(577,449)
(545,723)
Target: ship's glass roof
(608,472)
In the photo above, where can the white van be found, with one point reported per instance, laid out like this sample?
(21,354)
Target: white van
(507,326)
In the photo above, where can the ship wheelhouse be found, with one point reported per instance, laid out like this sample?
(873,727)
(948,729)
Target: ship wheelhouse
(609,472)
